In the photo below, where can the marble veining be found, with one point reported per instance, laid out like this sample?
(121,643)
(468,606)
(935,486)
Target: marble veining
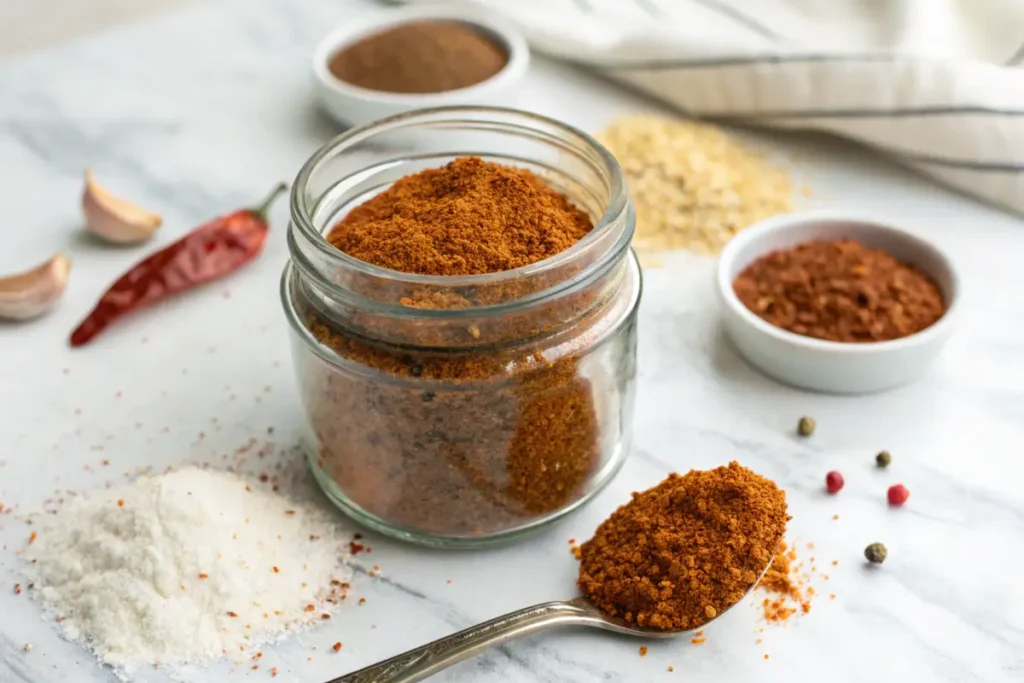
(202,111)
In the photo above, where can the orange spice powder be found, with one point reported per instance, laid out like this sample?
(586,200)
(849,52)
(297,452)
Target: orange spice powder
(788,585)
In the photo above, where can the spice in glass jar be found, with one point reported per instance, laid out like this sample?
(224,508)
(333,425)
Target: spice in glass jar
(679,554)
(420,57)
(465,430)
(840,291)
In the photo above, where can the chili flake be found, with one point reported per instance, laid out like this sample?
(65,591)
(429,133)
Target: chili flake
(643,650)
(336,647)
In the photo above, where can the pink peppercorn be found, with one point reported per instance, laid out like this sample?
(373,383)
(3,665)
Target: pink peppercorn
(898,494)
(834,482)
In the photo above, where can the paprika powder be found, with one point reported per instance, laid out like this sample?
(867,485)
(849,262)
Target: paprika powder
(469,393)
(840,291)
(681,553)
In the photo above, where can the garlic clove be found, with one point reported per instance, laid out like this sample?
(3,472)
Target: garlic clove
(32,293)
(114,219)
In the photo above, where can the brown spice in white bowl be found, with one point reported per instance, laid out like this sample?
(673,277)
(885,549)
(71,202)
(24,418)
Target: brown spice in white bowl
(420,57)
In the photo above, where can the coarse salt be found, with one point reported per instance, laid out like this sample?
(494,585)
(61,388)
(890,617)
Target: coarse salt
(181,567)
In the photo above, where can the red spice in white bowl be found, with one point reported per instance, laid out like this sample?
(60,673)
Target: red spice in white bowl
(823,364)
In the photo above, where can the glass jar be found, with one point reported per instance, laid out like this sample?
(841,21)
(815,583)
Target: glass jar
(463,410)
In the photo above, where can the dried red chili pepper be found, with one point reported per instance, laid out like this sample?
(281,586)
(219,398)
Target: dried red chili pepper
(208,252)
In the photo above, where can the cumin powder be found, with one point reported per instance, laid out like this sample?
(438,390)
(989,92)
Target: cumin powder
(420,57)
(681,553)
(467,430)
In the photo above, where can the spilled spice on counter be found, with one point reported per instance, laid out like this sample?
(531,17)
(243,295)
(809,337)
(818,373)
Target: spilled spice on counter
(484,439)
(420,57)
(681,553)
(840,291)
(693,184)
(786,581)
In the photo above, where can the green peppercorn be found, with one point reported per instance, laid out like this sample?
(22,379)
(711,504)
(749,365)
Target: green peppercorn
(875,553)
(883,459)
(806,426)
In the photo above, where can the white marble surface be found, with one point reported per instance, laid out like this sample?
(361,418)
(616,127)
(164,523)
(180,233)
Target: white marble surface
(27,26)
(200,112)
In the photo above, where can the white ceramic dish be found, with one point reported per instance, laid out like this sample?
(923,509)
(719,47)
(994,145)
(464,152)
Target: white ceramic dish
(351,105)
(825,366)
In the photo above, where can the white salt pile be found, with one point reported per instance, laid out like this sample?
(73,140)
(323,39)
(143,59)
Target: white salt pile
(186,566)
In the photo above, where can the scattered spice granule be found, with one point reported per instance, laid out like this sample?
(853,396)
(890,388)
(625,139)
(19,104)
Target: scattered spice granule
(255,666)
(835,563)
(32,537)
(698,641)
(17,589)
(784,580)
(105,463)
(258,655)
(670,669)
(204,576)
(834,482)
(355,548)
(310,608)
(289,512)
(273,672)
(362,601)
(758,641)
(572,541)
(832,596)
(766,655)
(232,614)
(643,650)
(336,647)
(325,616)
(26,647)
(120,503)
(835,516)
(276,570)
(575,550)
(448,581)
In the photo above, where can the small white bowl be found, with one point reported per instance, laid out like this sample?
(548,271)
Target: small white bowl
(826,366)
(352,105)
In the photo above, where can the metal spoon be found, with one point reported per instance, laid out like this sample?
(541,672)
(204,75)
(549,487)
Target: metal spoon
(427,660)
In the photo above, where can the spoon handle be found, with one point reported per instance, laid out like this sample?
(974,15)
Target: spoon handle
(429,659)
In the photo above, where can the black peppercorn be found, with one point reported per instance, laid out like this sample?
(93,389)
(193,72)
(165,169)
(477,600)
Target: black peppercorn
(875,553)
(883,459)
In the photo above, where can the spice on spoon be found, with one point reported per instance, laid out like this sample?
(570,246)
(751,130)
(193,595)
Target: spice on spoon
(420,57)
(211,251)
(681,553)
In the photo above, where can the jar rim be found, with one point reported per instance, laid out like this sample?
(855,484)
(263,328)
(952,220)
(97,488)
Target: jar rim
(301,211)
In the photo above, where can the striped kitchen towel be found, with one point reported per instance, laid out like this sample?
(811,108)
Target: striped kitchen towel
(937,84)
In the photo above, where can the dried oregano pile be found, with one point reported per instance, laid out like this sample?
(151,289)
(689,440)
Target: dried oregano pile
(694,185)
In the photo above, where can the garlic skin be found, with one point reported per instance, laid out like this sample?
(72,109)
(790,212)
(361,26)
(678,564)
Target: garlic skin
(30,294)
(114,219)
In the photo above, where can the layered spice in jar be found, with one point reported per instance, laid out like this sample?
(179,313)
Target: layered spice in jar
(456,413)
